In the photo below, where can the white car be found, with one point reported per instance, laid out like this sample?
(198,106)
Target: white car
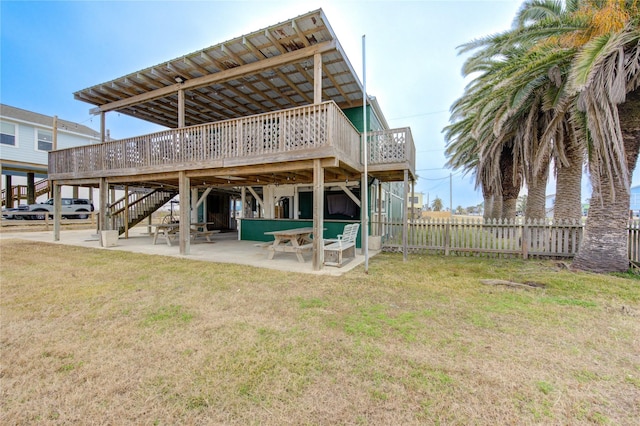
(74,208)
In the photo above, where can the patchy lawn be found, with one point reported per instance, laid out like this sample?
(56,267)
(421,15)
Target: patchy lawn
(110,337)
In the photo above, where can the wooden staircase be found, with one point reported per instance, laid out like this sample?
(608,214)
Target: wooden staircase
(141,204)
(19,192)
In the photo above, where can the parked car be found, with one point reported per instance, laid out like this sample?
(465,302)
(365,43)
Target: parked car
(8,213)
(81,207)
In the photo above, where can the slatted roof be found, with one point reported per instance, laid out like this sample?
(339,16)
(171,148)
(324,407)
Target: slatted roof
(268,70)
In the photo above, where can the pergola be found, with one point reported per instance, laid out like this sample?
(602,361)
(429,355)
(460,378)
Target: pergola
(293,63)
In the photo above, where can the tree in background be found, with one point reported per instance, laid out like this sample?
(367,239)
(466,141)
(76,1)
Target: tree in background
(436,204)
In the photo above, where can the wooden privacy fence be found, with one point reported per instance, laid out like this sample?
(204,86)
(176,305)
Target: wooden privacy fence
(505,238)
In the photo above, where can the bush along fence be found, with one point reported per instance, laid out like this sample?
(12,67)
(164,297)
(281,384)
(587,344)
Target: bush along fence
(499,238)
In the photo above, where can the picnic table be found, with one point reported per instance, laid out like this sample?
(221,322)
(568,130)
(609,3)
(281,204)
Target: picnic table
(170,231)
(298,241)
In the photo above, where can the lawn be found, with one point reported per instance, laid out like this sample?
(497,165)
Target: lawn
(111,337)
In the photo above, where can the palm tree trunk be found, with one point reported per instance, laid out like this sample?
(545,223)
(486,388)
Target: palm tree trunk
(510,184)
(536,195)
(496,212)
(489,203)
(568,205)
(604,246)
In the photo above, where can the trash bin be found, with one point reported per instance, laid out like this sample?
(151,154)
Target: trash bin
(109,238)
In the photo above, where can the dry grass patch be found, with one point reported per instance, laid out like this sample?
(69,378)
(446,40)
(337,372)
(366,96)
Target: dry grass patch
(97,336)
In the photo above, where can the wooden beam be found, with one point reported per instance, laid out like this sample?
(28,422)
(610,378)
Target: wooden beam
(57,210)
(181,108)
(103,201)
(222,76)
(317,78)
(185,217)
(318,215)
(405,210)
(255,195)
(351,195)
(203,197)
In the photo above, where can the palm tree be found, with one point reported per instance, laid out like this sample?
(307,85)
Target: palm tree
(603,95)
(592,48)
(436,205)
(606,76)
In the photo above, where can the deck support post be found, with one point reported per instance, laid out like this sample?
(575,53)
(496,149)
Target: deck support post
(57,210)
(9,192)
(31,188)
(317,78)
(405,211)
(318,215)
(184,184)
(296,202)
(126,211)
(181,108)
(104,204)
(194,205)
(379,201)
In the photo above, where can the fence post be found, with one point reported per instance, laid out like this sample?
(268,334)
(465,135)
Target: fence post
(524,240)
(447,234)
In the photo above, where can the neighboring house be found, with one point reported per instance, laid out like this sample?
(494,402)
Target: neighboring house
(26,138)
(274,119)
(414,204)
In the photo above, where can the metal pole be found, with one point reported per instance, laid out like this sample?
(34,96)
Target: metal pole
(365,180)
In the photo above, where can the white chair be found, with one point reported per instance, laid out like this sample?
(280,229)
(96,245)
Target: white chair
(344,247)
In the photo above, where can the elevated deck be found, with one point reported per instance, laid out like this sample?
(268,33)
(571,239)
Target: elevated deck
(265,148)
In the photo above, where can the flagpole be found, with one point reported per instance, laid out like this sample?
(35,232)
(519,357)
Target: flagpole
(365,179)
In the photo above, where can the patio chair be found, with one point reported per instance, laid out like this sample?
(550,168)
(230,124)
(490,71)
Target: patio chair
(344,247)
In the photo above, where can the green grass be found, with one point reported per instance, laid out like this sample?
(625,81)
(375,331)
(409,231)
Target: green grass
(126,338)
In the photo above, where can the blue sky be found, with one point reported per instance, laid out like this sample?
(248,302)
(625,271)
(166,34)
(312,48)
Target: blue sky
(51,49)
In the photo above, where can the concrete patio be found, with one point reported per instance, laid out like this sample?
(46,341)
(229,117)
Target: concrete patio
(225,248)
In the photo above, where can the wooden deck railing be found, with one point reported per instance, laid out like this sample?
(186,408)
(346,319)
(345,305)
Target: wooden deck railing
(19,192)
(248,140)
(391,146)
(543,239)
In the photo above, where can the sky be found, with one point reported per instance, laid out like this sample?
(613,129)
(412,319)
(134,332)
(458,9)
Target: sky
(50,49)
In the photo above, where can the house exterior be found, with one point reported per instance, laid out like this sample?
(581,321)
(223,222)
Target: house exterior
(415,204)
(26,138)
(275,119)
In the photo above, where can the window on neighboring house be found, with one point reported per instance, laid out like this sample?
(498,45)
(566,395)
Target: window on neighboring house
(45,140)
(7,133)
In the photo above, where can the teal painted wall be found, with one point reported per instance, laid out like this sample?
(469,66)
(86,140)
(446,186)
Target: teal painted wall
(254,229)
(355,116)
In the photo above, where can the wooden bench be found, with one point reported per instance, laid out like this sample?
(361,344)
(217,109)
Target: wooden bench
(344,247)
(170,232)
(287,248)
(196,233)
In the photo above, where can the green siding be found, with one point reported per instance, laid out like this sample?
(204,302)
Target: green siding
(355,116)
(254,229)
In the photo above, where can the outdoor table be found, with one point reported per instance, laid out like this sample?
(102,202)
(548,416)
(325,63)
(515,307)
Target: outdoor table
(168,230)
(298,241)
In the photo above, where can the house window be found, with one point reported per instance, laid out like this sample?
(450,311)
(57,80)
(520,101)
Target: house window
(7,134)
(45,140)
